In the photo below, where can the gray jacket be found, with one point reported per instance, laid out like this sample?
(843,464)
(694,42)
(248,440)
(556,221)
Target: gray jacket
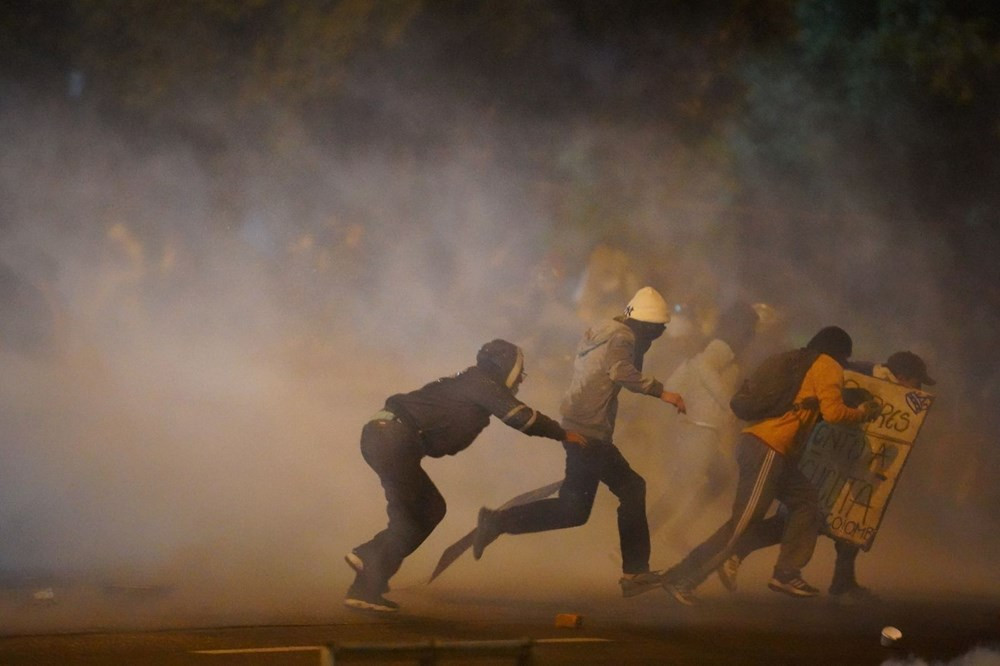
(604,364)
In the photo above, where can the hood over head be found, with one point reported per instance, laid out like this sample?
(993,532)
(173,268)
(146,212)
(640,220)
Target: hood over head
(834,342)
(501,359)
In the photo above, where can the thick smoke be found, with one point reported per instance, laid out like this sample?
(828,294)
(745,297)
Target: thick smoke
(979,656)
(191,345)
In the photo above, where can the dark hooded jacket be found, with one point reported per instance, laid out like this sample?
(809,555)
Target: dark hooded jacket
(451,412)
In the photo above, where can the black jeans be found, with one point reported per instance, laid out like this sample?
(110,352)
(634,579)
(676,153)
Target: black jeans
(414,505)
(586,467)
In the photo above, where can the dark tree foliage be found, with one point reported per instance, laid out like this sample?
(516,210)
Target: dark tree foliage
(910,89)
(907,91)
(36,38)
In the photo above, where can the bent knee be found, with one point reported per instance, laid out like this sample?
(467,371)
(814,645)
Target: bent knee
(435,511)
(574,512)
(575,517)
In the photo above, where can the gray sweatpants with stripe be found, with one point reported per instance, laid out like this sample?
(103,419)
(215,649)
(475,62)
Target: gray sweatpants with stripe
(764,476)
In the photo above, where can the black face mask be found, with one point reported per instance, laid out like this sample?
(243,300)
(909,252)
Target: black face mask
(645,333)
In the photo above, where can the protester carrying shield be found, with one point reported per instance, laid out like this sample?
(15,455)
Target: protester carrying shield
(442,418)
(766,459)
(902,367)
(608,358)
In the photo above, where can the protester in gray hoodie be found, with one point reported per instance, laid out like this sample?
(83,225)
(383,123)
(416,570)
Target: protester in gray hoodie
(608,359)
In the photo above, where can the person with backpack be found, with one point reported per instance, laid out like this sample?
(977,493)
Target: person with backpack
(440,419)
(608,359)
(904,368)
(783,399)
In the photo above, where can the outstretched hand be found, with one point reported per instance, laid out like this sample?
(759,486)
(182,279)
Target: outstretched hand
(674,399)
(576,438)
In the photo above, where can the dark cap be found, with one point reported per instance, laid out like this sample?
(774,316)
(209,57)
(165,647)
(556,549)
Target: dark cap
(907,364)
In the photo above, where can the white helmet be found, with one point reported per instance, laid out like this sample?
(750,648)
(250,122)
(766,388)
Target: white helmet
(647,305)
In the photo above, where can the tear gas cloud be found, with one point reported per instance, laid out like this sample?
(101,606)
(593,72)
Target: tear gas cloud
(980,656)
(191,355)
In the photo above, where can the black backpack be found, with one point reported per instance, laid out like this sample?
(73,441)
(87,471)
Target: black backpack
(771,389)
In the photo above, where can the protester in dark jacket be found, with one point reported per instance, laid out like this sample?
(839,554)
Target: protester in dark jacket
(439,419)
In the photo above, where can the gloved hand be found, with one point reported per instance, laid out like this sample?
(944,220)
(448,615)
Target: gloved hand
(855,396)
(871,408)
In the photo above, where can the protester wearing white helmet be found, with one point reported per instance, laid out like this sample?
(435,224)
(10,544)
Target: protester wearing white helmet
(648,306)
(608,358)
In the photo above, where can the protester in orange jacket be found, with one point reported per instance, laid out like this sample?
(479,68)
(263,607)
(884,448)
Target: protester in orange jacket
(768,471)
(904,368)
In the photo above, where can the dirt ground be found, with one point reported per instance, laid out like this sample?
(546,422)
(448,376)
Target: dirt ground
(133,626)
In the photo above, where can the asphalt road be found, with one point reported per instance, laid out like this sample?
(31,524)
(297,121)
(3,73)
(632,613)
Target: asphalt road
(762,629)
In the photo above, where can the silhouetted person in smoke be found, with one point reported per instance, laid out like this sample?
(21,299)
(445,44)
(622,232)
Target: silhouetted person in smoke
(608,358)
(768,470)
(705,439)
(440,419)
(904,368)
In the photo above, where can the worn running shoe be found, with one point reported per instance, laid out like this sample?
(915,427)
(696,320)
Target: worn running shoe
(792,585)
(854,595)
(727,572)
(682,591)
(636,584)
(358,565)
(487,531)
(360,599)
(378,603)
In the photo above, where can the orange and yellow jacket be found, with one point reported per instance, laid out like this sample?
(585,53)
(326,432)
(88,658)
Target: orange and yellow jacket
(822,384)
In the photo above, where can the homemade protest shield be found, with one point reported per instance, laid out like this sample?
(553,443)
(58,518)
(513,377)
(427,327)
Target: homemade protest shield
(856,467)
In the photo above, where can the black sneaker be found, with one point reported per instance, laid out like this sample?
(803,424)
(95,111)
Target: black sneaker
(358,599)
(639,583)
(358,565)
(793,586)
(853,595)
(487,531)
